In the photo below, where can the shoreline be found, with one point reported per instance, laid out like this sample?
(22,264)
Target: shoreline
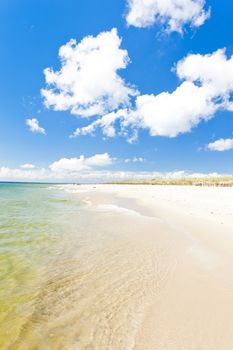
(193,226)
(209,203)
(118,267)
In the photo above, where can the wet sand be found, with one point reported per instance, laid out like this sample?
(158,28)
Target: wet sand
(186,290)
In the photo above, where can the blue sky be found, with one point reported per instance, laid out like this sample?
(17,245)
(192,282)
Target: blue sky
(31,33)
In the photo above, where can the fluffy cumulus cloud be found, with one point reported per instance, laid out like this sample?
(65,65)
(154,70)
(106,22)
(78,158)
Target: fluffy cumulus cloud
(206,87)
(221,145)
(81,163)
(22,174)
(106,123)
(169,114)
(91,175)
(173,14)
(88,82)
(34,126)
(65,169)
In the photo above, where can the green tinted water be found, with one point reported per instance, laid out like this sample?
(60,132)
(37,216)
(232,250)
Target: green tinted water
(72,276)
(32,221)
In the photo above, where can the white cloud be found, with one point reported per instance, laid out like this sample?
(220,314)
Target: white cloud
(34,126)
(99,160)
(69,164)
(206,88)
(134,160)
(88,82)
(64,169)
(214,71)
(81,163)
(27,166)
(221,145)
(91,175)
(169,114)
(19,174)
(173,14)
(106,123)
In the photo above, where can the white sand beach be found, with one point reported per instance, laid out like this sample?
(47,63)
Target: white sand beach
(187,283)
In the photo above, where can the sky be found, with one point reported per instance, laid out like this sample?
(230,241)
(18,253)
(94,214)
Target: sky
(115,89)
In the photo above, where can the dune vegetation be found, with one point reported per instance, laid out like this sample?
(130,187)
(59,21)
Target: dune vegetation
(215,181)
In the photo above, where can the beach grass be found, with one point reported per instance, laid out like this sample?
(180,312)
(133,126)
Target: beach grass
(226,181)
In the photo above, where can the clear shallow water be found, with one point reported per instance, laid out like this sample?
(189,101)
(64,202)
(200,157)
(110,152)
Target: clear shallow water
(71,277)
(33,219)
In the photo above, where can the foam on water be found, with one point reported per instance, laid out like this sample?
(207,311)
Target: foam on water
(116,208)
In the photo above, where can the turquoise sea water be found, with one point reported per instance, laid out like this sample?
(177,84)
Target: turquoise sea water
(33,222)
(72,276)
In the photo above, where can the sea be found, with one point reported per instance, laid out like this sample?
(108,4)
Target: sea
(72,275)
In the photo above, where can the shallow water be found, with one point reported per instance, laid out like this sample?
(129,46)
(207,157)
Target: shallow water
(32,220)
(70,277)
